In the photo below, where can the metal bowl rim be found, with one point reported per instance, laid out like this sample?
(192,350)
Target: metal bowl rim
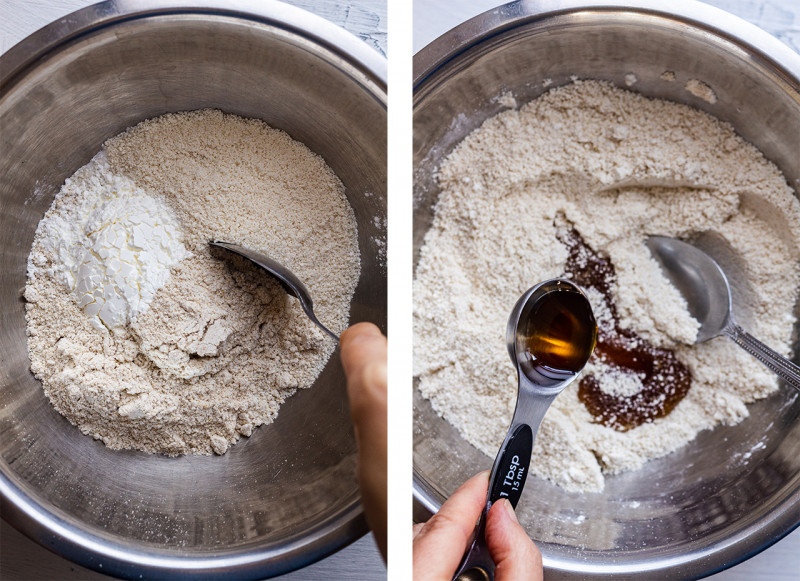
(460,39)
(27,52)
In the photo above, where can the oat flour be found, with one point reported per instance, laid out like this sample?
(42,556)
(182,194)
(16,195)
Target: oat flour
(221,345)
(616,167)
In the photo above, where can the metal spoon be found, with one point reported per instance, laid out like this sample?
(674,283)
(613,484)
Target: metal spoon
(550,335)
(704,286)
(286,277)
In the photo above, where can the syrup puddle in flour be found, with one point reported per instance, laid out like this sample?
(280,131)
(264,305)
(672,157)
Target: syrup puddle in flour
(665,380)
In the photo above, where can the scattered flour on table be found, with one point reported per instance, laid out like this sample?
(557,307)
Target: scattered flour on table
(616,167)
(217,346)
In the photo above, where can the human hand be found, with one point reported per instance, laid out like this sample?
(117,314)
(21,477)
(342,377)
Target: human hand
(440,543)
(363,351)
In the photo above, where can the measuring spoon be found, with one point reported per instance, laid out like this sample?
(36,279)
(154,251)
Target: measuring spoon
(550,335)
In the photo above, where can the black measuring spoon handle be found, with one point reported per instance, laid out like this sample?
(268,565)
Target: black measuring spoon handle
(511,467)
(507,480)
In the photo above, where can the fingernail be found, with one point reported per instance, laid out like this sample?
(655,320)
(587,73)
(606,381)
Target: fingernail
(510,510)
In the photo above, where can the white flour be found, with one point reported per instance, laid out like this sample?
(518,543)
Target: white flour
(114,246)
(616,167)
(221,345)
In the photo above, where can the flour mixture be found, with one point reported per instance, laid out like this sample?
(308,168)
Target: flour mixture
(571,184)
(144,338)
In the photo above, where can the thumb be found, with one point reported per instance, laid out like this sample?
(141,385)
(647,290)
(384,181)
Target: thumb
(363,352)
(516,557)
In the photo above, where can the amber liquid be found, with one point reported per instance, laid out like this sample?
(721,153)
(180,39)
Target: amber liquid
(560,332)
(665,379)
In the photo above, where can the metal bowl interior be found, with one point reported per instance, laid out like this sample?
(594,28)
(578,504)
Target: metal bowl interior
(287,495)
(734,490)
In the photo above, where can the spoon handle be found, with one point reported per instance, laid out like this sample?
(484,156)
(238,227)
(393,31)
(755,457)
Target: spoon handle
(315,320)
(507,479)
(777,363)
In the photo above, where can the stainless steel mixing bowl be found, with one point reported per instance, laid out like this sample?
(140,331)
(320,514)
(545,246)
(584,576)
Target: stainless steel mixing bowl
(734,490)
(287,495)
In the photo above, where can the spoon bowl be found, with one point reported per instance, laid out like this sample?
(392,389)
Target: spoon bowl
(704,286)
(289,281)
(551,334)
(700,281)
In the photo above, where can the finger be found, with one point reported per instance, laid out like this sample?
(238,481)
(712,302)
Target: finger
(515,556)
(363,354)
(416,529)
(440,544)
(358,341)
(363,350)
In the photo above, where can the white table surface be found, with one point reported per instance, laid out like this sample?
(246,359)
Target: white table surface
(781,18)
(21,559)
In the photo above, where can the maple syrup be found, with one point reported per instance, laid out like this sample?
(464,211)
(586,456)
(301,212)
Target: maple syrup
(665,379)
(560,331)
